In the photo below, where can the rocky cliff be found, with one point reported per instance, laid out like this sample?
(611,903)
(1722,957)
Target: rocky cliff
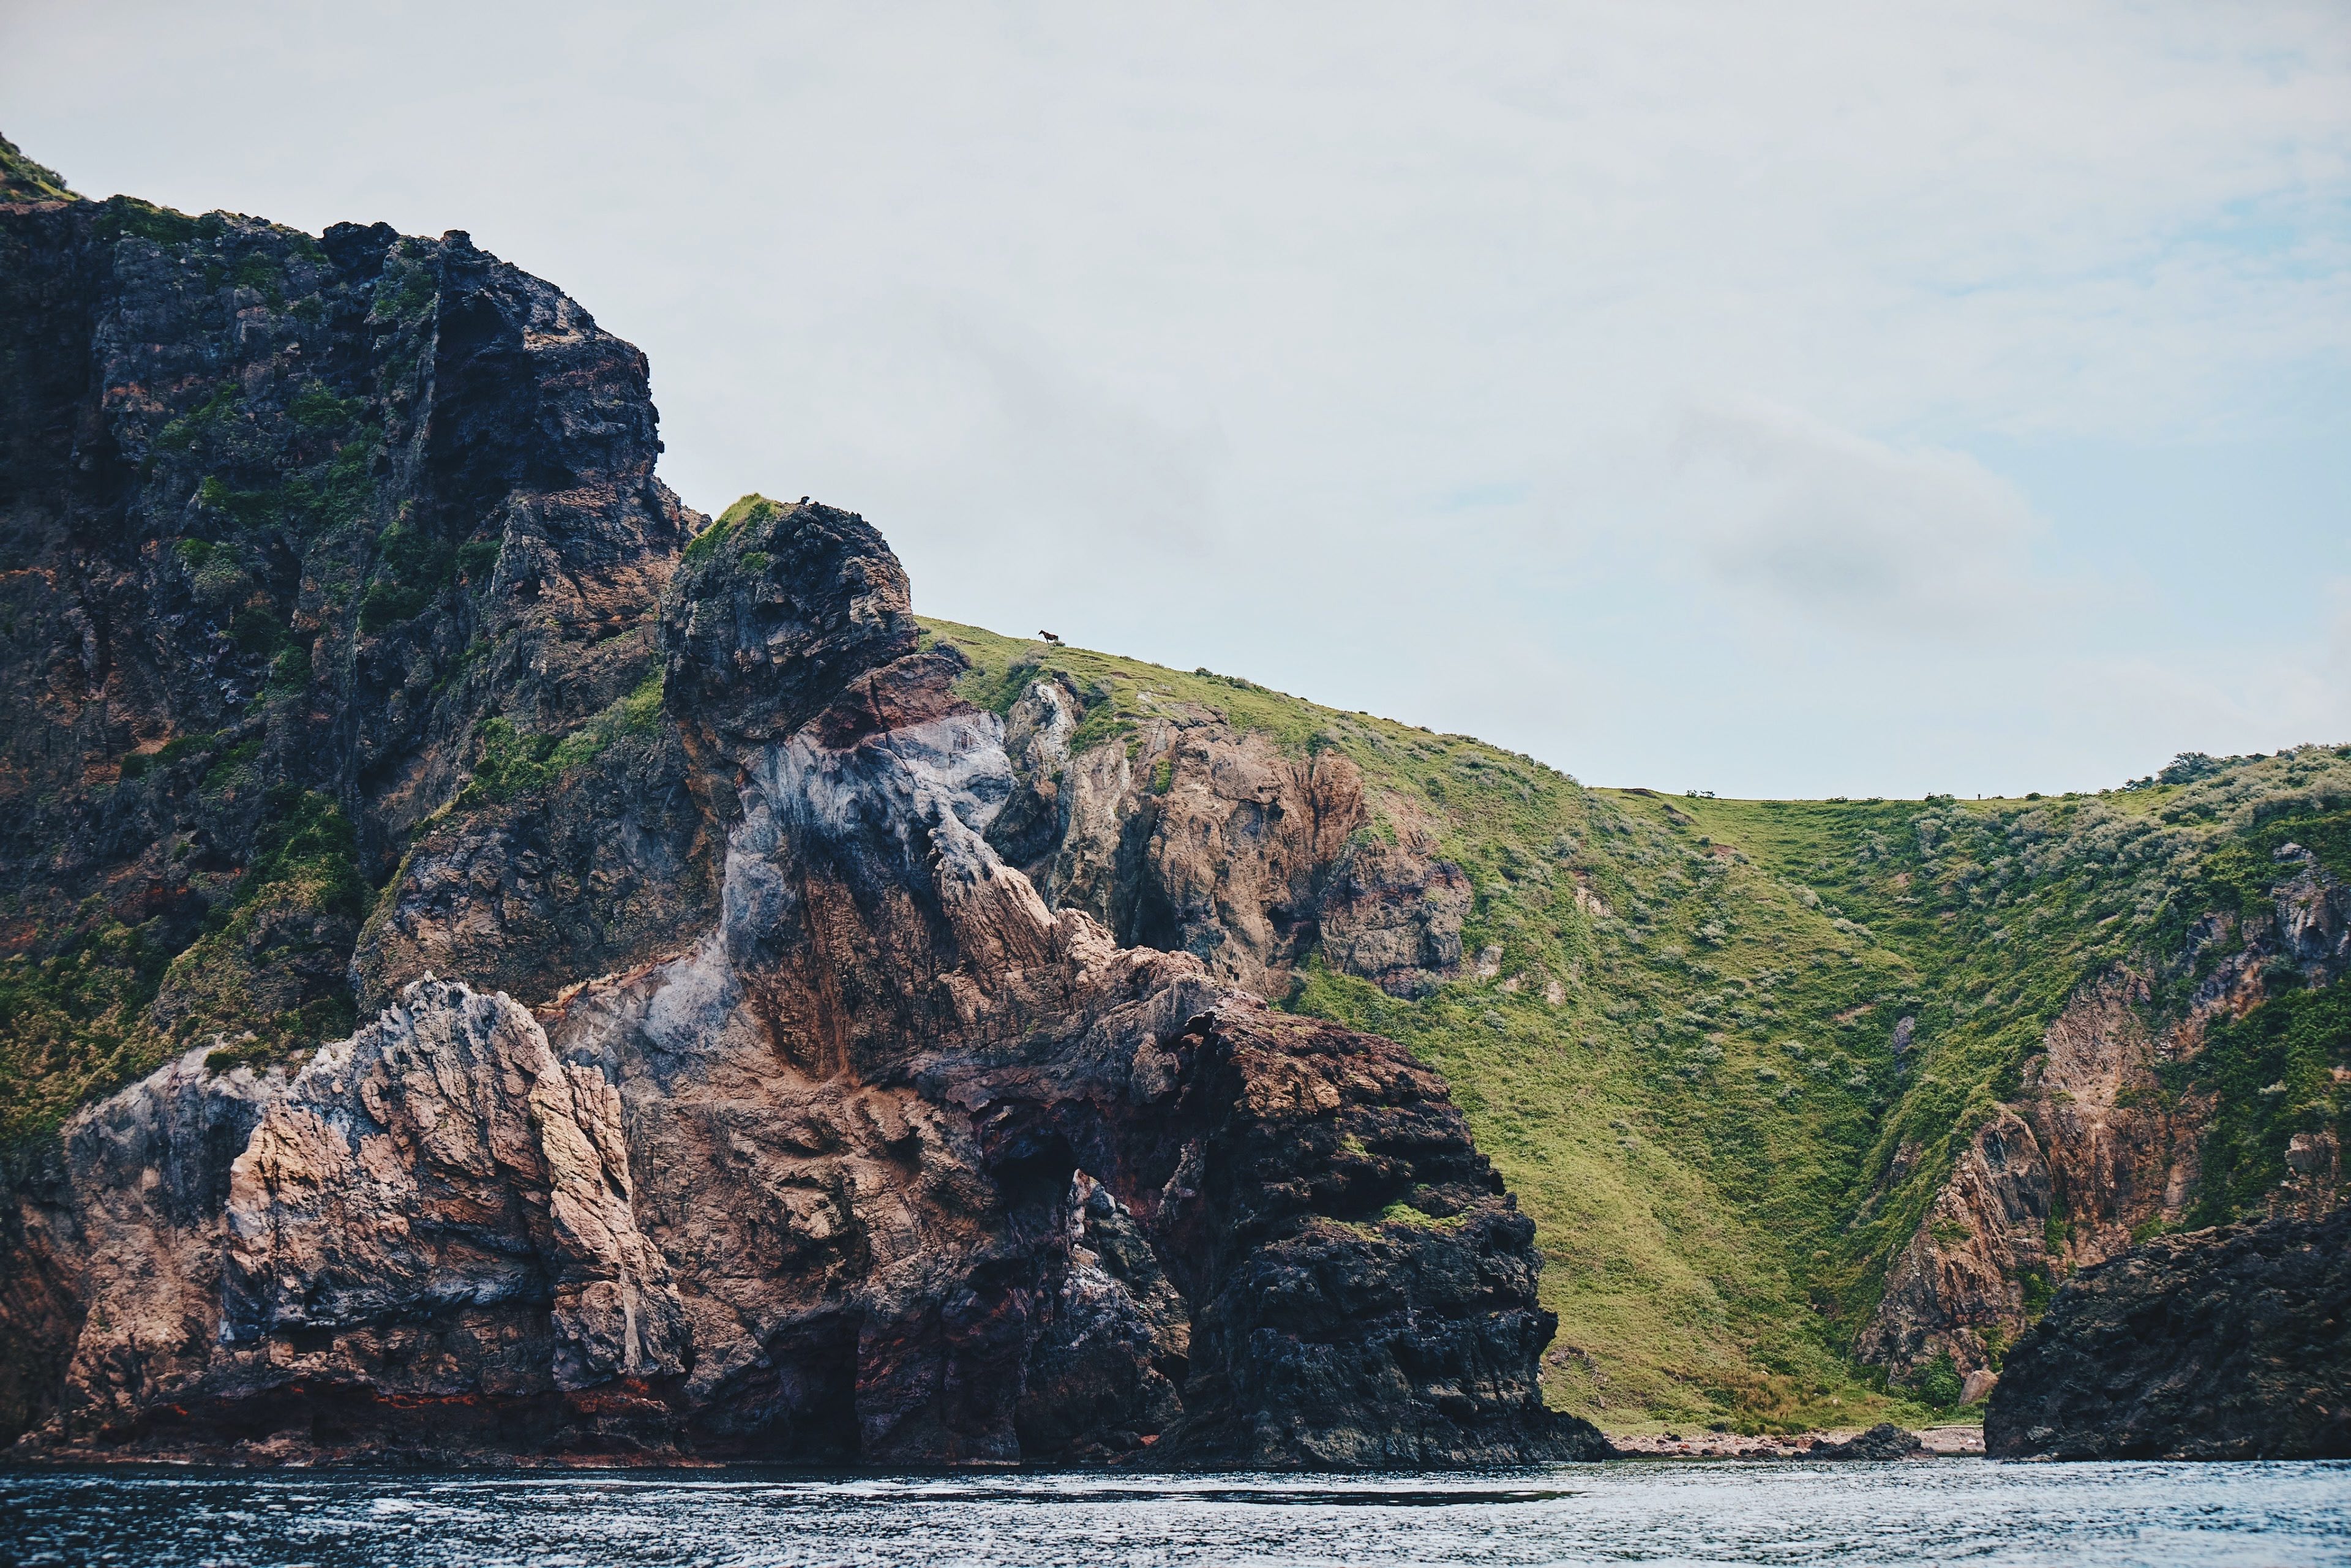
(347,636)
(2224,1344)
(588,1008)
(296,535)
(1190,834)
(2104,1144)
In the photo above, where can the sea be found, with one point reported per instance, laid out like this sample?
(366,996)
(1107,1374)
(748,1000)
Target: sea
(1948,1510)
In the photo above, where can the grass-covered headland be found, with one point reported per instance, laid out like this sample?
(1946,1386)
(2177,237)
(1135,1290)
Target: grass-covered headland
(1679,1040)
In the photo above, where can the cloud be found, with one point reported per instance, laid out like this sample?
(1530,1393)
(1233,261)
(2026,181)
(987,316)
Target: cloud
(2305,694)
(1808,520)
(1348,343)
(1074,445)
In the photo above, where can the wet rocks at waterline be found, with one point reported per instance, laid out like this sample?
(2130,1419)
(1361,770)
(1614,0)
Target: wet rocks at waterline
(2232,1344)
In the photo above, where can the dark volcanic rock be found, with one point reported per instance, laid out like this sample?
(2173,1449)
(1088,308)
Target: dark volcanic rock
(760,1107)
(2224,1344)
(296,534)
(1883,1441)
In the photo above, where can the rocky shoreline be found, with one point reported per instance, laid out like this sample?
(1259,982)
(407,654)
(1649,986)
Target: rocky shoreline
(287,1451)
(1934,1442)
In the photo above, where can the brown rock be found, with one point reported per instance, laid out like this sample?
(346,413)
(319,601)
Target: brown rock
(2092,1152)
(1194,837)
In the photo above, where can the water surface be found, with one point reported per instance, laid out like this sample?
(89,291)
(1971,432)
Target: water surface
(1941,1511)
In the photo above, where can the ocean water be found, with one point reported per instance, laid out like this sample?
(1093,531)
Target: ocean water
(1938,1511)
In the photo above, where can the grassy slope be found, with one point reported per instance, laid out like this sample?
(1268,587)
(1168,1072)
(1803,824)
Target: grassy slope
(1676,1187)
(1700,1125)
(22,180)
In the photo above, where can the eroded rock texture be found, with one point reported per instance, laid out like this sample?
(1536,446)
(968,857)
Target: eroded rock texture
(1197,837)
(760,1107)
(2223,1345)
(2095,1150)
(296,534)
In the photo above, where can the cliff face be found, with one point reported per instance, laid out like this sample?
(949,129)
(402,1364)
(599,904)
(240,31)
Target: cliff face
(1192,835)
(2104,1144)
(2228,1344)
(760,1107)
(293,533)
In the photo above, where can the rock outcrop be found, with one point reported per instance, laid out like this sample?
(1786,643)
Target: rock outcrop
(1883,1441)
(2097,1150)
(2221,1344)
(296,535)
(1194,836)
(443,1240)
(2057,1180)
(760,1107)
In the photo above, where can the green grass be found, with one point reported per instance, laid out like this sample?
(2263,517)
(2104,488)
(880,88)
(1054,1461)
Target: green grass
(305,866)
(2274,1074)
(121,217)
(509,762)
(83,1019)
(72,1021)
(749,508)
(22,180)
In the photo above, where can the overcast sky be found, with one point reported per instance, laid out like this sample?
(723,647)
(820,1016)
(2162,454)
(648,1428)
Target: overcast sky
(1795,399)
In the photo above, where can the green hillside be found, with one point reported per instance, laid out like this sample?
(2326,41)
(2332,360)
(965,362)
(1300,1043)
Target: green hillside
(1701,1123)
(22,180)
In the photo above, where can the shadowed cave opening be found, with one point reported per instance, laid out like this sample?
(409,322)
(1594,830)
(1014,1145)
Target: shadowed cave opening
(799,1408)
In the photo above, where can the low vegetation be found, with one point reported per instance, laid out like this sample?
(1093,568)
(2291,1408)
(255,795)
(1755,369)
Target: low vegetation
(508,762)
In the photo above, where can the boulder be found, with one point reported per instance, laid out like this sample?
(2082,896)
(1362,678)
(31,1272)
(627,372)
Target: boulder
(2221,1344)
(1883,1441)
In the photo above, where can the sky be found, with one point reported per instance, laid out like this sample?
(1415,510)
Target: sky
(1787,400)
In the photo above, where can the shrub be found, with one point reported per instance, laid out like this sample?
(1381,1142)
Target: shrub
(1937,1382)
(387,603)
(318,411)
(477,558)
(291,671)
(141,763)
